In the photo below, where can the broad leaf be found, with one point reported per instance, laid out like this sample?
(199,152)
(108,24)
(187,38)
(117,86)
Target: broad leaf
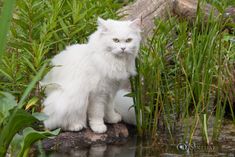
(40,116)
(7,102)
(15,145)
(18,119)
(30,136)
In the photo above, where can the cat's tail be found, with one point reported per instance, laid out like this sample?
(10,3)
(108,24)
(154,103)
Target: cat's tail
(124,106)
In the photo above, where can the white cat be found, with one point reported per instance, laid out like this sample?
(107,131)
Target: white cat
(85,78)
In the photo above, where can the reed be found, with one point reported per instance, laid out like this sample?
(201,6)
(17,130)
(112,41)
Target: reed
(182,72)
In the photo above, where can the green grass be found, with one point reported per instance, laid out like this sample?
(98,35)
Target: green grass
(183,71)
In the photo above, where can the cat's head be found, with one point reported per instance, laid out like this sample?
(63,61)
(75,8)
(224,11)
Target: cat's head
(120,38)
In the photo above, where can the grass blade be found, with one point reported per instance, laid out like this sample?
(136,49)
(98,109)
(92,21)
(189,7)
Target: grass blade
(5,19)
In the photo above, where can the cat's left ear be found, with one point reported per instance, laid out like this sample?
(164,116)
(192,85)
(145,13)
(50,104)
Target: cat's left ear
(102,24)
(136,23)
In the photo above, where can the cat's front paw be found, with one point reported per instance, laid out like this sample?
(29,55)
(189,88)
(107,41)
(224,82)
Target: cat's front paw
(75,127)
(98,128)
(113,118)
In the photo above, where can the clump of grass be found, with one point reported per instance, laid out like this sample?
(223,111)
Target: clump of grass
(182,72)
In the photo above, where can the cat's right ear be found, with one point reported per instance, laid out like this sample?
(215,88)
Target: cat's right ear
(102,24)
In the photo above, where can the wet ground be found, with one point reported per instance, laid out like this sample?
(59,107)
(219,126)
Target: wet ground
(164,145)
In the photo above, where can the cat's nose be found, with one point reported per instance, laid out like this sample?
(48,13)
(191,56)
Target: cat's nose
(123,48)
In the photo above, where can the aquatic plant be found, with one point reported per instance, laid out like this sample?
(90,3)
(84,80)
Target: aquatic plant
(182,73)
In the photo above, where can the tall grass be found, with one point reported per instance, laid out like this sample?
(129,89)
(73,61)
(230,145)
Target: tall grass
(182,74)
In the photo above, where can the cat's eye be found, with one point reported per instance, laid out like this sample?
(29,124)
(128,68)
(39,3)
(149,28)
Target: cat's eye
(116,40)
(128,40)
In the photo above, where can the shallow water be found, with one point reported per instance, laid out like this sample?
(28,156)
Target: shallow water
(162,145)
(136,148)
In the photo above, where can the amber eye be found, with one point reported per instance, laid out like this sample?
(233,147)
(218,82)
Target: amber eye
(128,40)
(116,40)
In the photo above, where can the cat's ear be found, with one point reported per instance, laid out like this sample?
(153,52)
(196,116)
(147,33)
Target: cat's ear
(102,24)
(136,24)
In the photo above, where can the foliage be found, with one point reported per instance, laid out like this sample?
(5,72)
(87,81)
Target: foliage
(15,119)
(5,19)
(182,73)
(28,137)
(12,117)
(41,29)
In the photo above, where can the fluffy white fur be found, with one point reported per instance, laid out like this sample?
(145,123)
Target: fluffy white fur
(86,77)
(124,106)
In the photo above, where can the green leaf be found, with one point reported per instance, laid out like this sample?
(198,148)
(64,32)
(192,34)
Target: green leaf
(6,15)
(64,26)
(30,136)
(31,103)
(31,86)
(4,73)
(7,102)
(130,95)
(18,119)
(147,108)
(29,64)
(15,145)
(40,116)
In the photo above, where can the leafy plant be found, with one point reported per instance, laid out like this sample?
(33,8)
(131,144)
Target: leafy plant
(28,137)
(15,119)
(12,117)
(41,29)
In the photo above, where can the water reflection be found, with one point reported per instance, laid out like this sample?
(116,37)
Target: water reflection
(139,147)
(127,149)
(162,146)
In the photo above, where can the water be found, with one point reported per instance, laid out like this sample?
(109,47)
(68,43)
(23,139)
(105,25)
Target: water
(161,145)
(147,148)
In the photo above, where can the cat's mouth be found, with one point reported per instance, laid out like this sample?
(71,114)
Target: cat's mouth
(121,53)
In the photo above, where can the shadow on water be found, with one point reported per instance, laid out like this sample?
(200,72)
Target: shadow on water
(161,145)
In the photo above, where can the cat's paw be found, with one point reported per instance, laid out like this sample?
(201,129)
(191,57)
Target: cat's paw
(98,128)
(75,127)
(113,118)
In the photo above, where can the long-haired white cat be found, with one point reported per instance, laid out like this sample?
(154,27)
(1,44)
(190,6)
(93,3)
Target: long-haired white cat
(85,78)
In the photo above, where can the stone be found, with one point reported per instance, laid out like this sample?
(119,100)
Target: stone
(115,134)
